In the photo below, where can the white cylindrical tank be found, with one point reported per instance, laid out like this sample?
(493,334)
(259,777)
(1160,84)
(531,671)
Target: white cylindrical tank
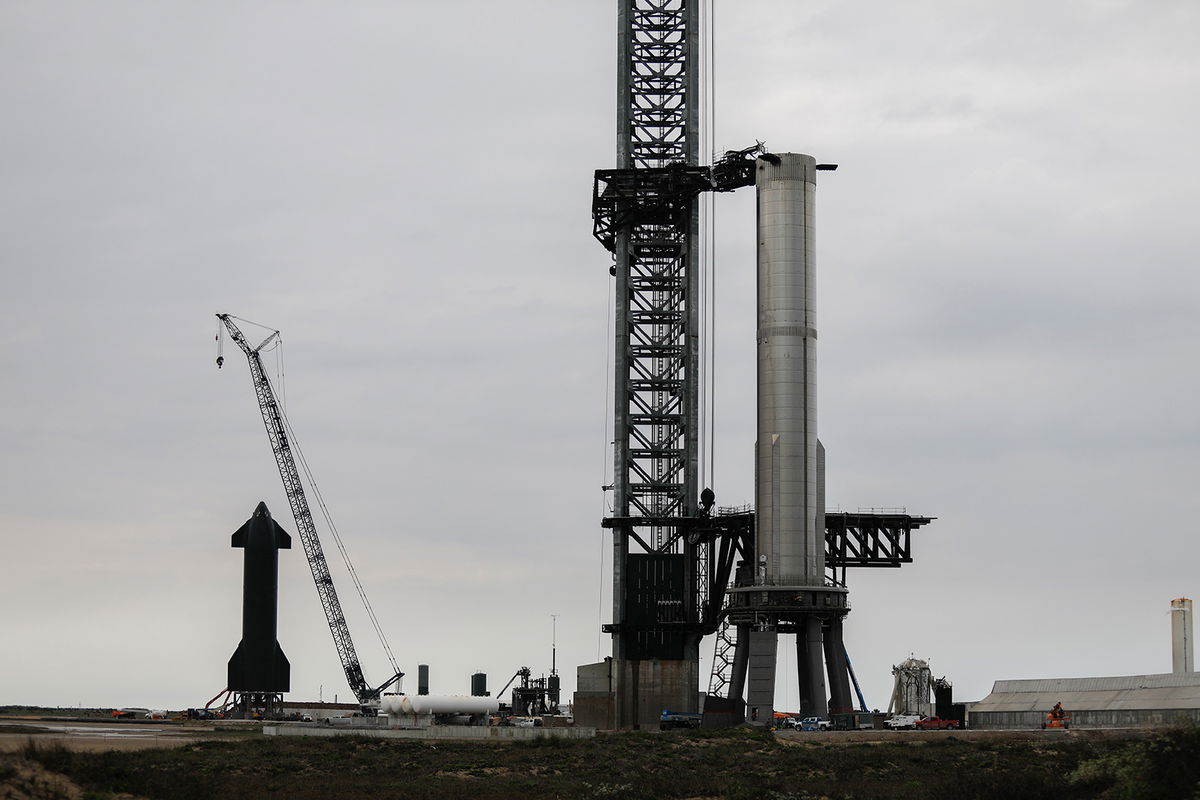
(394,705)
(790,539)
(1181,635)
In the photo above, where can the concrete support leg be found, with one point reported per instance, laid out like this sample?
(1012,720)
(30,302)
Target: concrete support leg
(811,669)
(629,700)
(642,689)
(835,663)
(760,690)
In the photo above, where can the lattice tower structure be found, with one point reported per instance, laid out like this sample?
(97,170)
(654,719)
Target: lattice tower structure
(656,399)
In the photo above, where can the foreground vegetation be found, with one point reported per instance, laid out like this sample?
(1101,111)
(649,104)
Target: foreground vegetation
(730,764)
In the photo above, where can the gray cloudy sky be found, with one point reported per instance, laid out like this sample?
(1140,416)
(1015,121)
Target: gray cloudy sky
(1008,313)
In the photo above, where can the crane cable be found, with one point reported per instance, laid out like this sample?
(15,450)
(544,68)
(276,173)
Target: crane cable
(607,462)
(708,266)
(337,538)
(712,238)
(220,343)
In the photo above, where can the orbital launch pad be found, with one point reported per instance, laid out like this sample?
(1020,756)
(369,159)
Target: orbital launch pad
(684,568)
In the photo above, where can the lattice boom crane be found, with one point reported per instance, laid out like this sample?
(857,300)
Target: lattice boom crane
(282,450)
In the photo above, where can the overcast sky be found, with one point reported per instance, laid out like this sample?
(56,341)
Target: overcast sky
(1008,311)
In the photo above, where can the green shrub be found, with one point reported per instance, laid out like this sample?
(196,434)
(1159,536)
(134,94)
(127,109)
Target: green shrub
(1163,767)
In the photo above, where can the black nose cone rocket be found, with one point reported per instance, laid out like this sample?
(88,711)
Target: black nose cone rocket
(258,664)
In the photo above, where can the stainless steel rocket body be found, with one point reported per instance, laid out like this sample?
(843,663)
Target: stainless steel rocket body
(789,529)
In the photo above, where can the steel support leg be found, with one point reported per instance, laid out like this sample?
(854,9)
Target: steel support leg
(810,665)
(835,663)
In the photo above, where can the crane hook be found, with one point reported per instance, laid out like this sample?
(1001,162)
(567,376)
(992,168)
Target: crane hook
(220,337)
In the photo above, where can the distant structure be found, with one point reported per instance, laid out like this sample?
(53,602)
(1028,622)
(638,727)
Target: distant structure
(1127,701)
(944,705)
(1181,636)
(534,696)
(259,672)
(1130,701)
(910,691)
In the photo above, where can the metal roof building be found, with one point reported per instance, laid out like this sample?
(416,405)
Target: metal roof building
(1119,702)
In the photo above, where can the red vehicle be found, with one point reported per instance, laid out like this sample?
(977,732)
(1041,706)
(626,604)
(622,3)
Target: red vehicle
(936,724)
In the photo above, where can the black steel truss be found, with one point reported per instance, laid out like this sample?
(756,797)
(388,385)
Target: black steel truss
(650,225)
(664,197)
(852,540)
(660,72)
(868,540)
(645,214)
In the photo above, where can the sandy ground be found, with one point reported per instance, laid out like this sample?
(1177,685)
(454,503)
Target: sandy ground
(101,735)
(95,736)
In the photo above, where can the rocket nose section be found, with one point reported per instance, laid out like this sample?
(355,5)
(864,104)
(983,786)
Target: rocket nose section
(261,532)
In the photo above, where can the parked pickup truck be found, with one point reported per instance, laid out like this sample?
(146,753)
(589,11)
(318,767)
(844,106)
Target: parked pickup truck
(936,724)
(814,724)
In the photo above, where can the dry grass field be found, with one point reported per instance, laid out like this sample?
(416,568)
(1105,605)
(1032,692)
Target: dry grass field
(726,765)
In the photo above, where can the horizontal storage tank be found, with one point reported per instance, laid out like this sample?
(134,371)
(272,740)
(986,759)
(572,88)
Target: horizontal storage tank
(395,705)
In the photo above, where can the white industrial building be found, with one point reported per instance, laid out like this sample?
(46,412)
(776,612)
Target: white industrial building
(1131,701)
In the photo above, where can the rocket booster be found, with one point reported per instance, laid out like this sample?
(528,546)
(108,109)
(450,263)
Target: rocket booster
(258,664)
(789,526)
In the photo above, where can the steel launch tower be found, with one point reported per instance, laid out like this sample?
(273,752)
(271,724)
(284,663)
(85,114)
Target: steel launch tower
(646,216)
(656,421)
(682,569)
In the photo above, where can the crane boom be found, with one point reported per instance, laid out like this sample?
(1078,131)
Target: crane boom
(282,450)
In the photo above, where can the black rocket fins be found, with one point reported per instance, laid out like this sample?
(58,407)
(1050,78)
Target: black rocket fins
(282,669)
